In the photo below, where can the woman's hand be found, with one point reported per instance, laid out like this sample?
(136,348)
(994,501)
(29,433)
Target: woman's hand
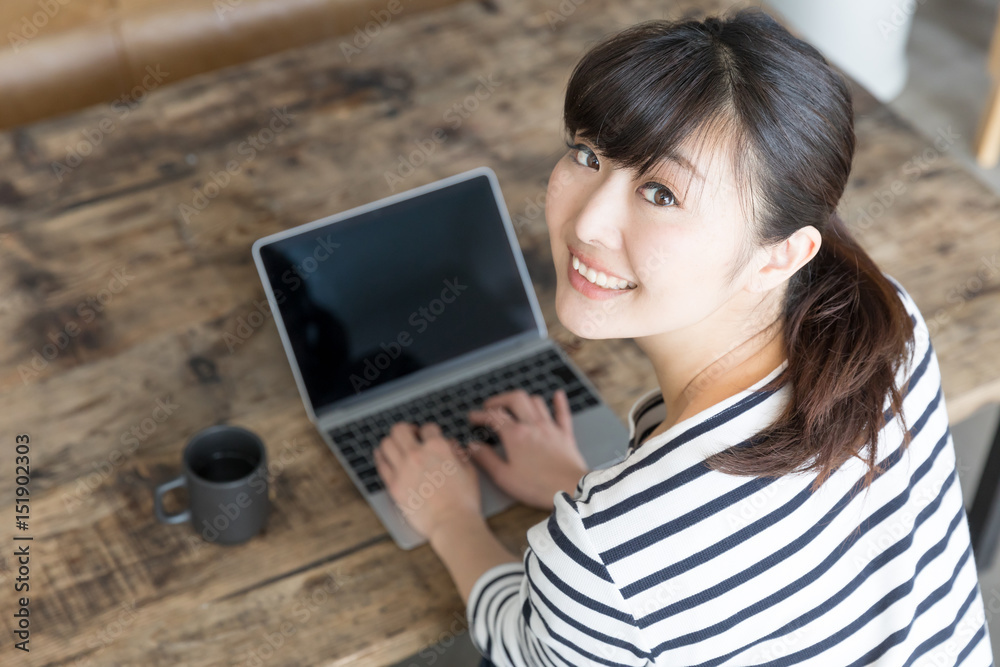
(430,478)
(542,455)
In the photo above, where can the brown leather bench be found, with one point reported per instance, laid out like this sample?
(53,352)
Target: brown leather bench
(63,55)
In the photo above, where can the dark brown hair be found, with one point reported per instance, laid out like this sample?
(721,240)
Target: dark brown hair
(789,122)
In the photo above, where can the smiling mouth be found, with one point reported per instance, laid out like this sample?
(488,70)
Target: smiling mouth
(600,278)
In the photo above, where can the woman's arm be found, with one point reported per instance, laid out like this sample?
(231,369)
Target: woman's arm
(468,548)
(559,607)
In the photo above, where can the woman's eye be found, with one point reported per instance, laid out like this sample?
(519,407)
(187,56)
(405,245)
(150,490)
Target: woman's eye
(591,159)
(662,196)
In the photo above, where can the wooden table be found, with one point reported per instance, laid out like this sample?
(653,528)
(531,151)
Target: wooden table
(131,322)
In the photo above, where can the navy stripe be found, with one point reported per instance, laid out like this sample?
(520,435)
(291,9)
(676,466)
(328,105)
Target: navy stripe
(783,553)
(482,591)
(577,596)
(645,433)
(662,488)
(537,650)
(721,547)
(573,552)
(876,609)
(717,549)
(655,401)
(566,642)
(816,572)
(646,495)
(912,381)
(503,644)
(685,521)
(976,638)
(730,413)
(944,634)
(831,602)
(900,635)
(594,634)
(569,501)
(921,368)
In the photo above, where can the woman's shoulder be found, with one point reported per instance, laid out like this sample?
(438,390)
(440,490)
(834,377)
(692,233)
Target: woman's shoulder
(921,329)
(667,475)
(921,351)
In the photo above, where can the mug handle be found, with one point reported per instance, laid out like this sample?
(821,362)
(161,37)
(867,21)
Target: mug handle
(158,494)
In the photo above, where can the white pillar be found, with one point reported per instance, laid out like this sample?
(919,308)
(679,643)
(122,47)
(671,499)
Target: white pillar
(864,38)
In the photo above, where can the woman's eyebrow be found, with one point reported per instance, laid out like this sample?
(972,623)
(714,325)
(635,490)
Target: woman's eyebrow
(675,157)
(682,162)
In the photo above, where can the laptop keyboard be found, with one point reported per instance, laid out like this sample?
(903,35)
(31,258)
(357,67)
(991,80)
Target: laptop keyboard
(542,373)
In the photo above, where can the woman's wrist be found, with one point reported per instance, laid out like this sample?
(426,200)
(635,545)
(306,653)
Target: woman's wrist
(468,548)
(458,523)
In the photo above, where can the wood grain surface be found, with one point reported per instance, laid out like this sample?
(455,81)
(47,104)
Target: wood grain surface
(133,317)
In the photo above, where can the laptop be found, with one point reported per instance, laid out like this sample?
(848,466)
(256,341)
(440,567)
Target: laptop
(418,307)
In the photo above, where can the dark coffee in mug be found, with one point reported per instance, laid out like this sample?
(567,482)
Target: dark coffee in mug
(225,467)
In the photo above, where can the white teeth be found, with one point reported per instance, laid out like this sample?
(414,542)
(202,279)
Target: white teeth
(601,278)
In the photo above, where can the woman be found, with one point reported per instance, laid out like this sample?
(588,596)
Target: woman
(790,493)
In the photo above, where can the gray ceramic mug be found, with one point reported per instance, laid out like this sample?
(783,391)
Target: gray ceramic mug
(225,472)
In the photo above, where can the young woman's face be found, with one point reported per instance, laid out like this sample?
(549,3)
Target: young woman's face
(675,236)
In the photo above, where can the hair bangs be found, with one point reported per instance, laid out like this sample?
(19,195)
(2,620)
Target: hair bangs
(652,92)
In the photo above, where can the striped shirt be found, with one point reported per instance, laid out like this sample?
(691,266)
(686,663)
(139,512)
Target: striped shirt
(659,560)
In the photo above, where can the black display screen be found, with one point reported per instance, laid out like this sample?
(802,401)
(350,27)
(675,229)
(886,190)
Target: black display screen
(385,294)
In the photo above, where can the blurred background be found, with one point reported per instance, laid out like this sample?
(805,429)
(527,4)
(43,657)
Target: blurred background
(929,60)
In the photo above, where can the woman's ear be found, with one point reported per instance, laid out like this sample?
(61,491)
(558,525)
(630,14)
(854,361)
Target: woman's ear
(787,257)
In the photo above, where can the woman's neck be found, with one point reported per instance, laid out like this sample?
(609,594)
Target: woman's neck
(733,372)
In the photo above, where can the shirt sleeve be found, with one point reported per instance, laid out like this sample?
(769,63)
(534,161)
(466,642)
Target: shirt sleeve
(557,607)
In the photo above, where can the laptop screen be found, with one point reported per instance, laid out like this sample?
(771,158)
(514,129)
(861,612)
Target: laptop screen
(387,293)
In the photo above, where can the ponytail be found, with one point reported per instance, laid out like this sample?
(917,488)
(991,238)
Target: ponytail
(847,332)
